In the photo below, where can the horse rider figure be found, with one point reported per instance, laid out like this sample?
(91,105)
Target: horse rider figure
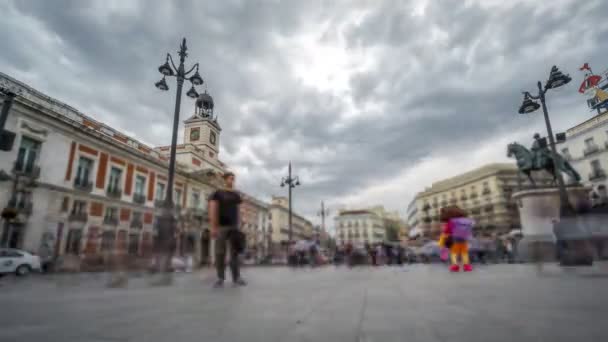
(540,153)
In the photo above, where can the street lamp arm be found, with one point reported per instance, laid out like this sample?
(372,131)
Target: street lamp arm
(191,69)
(172,64)
(537,97)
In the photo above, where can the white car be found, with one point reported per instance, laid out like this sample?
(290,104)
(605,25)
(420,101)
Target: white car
(18,262)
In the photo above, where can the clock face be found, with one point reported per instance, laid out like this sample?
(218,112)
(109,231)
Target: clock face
(194,134)
(212,138)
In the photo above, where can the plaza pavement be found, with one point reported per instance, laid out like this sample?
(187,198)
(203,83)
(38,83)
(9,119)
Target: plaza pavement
(410,303)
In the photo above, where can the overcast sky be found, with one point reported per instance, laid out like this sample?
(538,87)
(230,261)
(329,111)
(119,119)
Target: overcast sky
(372,101)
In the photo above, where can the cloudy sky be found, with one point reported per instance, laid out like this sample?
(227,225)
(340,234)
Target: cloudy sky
(371,100)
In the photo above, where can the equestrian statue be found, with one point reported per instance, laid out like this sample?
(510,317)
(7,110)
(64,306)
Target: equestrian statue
(539,158)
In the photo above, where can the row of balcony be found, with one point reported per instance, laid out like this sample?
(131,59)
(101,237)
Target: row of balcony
(23,206)
(116,193)
(76,216)
(597,174)
(28,170)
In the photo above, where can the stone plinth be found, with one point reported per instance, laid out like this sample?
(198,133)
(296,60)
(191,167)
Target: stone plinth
(539,211)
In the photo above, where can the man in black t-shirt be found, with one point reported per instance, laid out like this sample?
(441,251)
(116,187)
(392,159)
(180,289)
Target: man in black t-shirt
(224,221)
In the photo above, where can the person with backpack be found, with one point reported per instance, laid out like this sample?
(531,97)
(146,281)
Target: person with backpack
(457,232)
(224,220)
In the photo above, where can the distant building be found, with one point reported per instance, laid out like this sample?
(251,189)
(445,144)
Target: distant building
(360,226)
(302,228)
(485,193)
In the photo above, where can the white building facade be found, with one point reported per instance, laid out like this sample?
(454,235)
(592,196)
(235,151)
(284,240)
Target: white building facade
(359,227)
(586,148)
(72,185)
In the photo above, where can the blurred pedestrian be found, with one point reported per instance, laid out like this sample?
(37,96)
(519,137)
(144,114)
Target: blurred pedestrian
(224,220)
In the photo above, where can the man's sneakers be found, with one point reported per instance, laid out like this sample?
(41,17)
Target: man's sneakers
(220,283)
(240,282)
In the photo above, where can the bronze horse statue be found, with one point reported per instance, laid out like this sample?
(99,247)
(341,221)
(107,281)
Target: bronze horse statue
(525,163)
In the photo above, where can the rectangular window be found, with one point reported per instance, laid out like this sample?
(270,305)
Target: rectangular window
(111,213)
(107,241)
(133,244)
(178,196)
(590,143)
(140,184)
(196,200)
(74,238)
(160,191)
(83,173)
(137,216)
(115,180)
(596,166)
(27,155)
(79,207)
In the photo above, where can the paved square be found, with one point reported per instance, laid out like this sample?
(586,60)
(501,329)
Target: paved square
(412,303)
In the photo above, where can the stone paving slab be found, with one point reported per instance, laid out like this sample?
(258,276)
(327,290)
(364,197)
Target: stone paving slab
(411,303)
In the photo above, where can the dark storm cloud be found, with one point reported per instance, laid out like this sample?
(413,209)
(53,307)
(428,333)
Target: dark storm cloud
(436,83)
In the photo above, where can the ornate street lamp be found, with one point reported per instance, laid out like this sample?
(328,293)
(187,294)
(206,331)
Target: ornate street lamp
(291,182)
(167,220)
(529,105)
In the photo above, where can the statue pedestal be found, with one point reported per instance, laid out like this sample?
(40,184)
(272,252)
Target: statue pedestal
(538,212)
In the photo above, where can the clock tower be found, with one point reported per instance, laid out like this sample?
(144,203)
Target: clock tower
(202,129)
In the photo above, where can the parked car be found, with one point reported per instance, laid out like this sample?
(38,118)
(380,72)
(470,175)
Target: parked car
(18,262)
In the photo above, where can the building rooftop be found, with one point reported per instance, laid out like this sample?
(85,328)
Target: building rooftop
(597,120)
(468,177)
(76,117)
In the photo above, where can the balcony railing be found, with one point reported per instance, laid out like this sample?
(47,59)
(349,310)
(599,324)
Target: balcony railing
(597,175)
(23,206)
(27,170)
(197,212)
(463,197)
(591,150)
(139,198)
(83,185)
(114,192)
(486,191)
(137,224)
(453,201)
(158,203)
(78,216)
(474,195)
(110,221)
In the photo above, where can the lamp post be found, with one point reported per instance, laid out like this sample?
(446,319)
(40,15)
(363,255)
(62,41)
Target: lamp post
(291,182)
(529,105)
(166,224)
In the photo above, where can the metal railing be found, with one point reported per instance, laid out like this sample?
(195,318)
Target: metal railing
(110,220)
(591,150)
(78,216)
(28,170)
(83,185)
(114,192)
(139,198)
(137,224)
(597,174)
